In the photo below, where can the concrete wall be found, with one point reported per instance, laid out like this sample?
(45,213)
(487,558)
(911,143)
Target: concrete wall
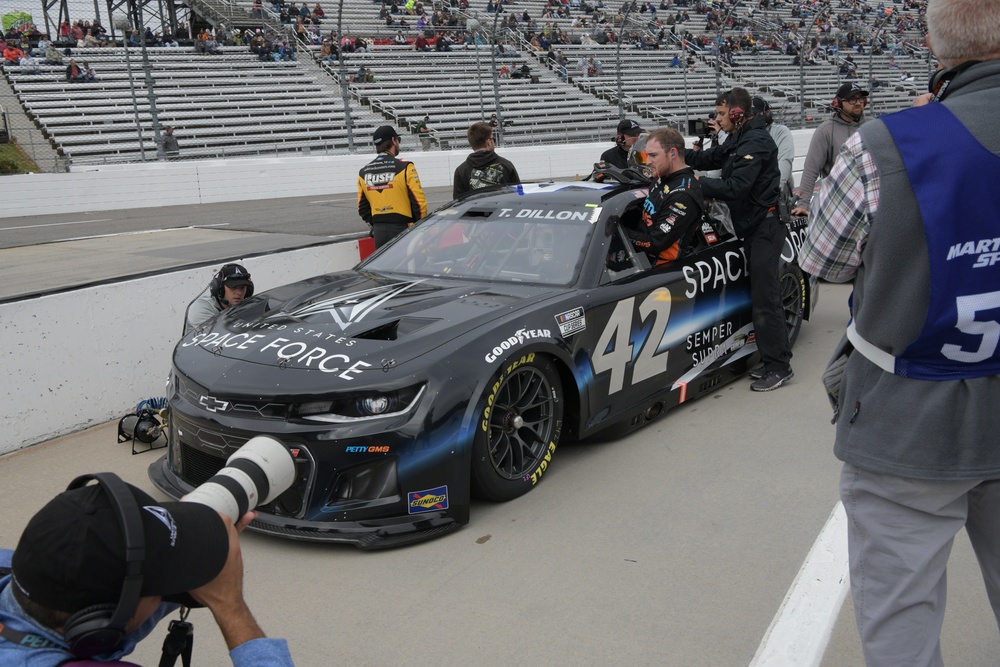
(80,358)
(210,181)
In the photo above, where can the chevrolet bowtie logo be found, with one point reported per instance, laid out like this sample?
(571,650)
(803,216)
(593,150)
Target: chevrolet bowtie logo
(213,404)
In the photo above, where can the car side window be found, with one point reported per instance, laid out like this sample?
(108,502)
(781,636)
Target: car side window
(622,261)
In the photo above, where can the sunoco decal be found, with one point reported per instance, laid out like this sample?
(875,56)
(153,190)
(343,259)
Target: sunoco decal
(571,322)
(430,500)
(519,337)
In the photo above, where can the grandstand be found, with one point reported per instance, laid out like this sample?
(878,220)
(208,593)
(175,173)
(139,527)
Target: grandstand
(236,103)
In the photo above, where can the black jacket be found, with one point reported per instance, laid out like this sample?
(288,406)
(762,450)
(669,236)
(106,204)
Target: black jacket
(751,180)
(483,169)
(615,156)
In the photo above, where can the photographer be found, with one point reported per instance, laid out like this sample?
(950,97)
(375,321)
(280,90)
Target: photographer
(749,184)
(101,564)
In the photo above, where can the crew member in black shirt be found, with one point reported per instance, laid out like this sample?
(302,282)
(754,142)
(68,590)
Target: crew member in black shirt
(750,185)
(617,155)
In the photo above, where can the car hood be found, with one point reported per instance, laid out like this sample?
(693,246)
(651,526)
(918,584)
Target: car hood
(343,321)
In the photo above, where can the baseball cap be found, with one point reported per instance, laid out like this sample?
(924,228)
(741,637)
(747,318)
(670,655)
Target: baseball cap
(629,127)
(849,90)
(234,275)
(384,133)
(71,555)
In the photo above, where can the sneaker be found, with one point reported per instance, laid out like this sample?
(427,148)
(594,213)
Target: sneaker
(757,373)
(772,380)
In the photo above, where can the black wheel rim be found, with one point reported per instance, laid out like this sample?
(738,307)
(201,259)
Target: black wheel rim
(791,301)
(521,423)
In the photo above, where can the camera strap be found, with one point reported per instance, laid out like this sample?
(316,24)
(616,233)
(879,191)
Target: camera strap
(178,642)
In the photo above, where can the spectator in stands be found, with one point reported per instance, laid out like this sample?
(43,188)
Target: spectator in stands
(318,14)
(328,52)
(421,44)
(212,46)
(671,215)
(483,168)
(89,73)
(12,55)
(750,186)
(29,65)
(229,286)
(53,56)
(399,39)
(390,197)
(75,73)
(425,133)
(170,146)
(625,137)
(848,116)
(43,46)
(361,45)
(77,33)
(442,43)
(675,61)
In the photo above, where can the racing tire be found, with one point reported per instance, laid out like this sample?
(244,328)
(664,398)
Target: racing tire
(517,428)
(792,286)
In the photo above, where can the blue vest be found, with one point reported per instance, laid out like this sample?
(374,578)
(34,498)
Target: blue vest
(956,182)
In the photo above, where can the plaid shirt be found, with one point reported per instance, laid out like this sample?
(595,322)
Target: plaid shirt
(840,215)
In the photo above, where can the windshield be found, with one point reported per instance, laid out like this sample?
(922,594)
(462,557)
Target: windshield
(518,244)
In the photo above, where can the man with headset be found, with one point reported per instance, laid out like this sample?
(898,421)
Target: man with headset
(749,184)
(625,137)
(229,286)
(910,216)
(101,564)
(848,115)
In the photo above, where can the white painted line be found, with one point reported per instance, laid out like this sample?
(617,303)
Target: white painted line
(56,224)
(135,233)
(801,629)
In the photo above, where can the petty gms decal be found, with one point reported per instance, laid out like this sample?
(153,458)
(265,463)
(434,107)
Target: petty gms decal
(430,500)
(613,352)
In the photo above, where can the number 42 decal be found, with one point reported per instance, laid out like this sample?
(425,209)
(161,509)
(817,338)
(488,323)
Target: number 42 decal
(614,348)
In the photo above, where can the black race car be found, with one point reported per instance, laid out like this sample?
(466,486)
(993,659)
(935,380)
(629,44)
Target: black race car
(456,359)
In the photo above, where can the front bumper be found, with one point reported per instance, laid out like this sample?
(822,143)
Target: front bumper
(373,533)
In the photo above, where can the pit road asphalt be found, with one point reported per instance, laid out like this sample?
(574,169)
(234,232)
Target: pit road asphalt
(673,546)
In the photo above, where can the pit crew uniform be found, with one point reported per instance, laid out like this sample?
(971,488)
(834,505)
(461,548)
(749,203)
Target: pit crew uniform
(390,197)
(750,185)
(670,217)
(905,214)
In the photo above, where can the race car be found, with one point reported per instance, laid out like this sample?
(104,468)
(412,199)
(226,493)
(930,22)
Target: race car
(455,360)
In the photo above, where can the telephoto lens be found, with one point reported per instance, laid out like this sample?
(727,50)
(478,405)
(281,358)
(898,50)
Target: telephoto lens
(256,473)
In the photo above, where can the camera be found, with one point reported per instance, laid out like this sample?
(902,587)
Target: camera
(256,473)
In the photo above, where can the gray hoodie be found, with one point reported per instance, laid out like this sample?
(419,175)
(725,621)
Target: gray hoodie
(823,149)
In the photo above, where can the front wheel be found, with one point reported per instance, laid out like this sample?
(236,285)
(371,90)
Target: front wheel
(792,286)
(518,430)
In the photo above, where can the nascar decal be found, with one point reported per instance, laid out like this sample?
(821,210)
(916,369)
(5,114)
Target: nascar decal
(614,351)
(430,500)
(571,322)
(519,337)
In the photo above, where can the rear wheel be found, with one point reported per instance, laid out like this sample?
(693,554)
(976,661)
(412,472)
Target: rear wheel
(792,286)
(518,429)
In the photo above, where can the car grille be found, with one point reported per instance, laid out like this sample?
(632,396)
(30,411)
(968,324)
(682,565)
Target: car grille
(198,467)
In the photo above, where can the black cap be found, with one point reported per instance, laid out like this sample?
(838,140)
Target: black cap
(849,90)
(234,275)
(629,127)
(71,555)
(384,133)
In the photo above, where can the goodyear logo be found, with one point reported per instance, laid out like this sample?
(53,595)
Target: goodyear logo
(430,500)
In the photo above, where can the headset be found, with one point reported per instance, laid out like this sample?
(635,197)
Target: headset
(100,628)
(736,113)
(217,284)
(941,79)
(838,105)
